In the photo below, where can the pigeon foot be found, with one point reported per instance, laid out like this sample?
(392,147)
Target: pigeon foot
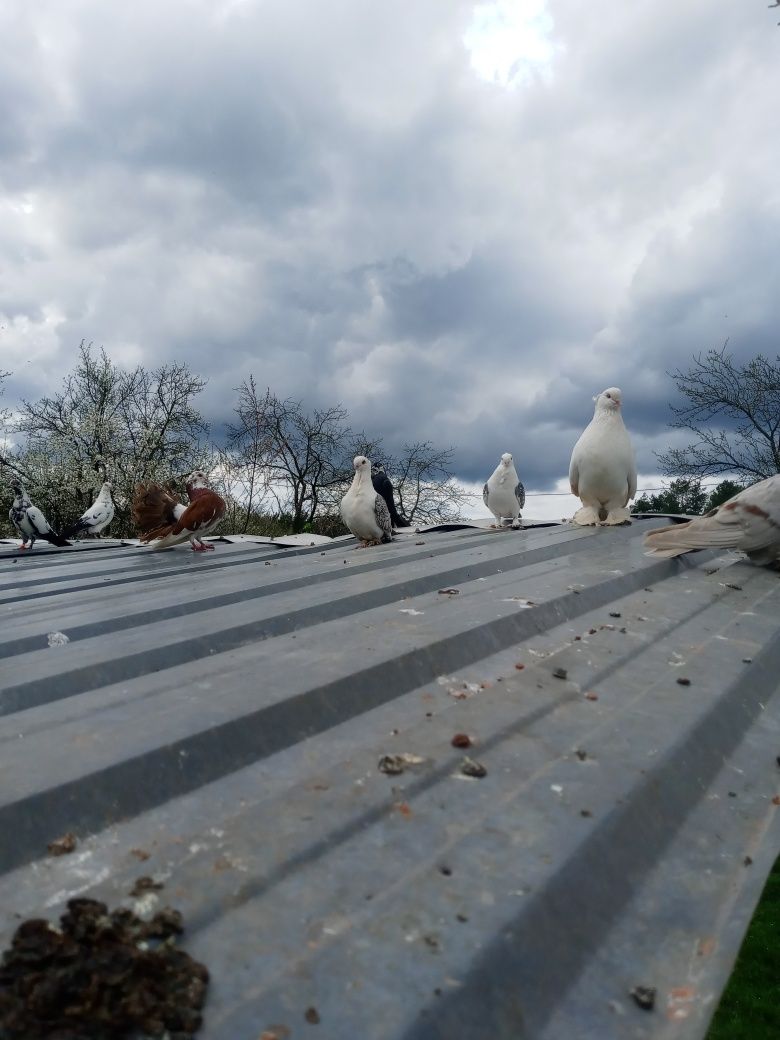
(23,547)
(617,518)
(586,517)
(199,548)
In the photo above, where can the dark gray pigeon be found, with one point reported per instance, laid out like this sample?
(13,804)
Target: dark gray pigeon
(383,486)
(29,521)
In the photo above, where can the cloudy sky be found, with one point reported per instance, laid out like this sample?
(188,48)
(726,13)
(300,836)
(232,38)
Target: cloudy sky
(460,220)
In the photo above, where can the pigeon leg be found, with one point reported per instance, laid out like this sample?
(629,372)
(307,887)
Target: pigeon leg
(199,545)
(517,523)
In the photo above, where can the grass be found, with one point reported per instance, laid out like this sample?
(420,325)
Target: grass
(750,1006)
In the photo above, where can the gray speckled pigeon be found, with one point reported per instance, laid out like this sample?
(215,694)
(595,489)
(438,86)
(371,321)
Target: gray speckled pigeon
(503,494)
(29,521)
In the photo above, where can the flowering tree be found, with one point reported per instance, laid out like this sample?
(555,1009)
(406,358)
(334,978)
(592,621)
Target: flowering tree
(141,423)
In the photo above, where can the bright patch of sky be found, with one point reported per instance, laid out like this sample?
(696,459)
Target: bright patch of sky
(509,39)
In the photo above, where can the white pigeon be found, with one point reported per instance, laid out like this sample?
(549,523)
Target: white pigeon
(750,522)
(363,509)
(602,472)
(29,521)
(96,518)
(503,494)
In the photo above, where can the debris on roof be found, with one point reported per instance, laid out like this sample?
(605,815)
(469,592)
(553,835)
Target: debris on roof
(220,717)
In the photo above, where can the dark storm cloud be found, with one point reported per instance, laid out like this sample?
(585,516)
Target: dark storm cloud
(329,197)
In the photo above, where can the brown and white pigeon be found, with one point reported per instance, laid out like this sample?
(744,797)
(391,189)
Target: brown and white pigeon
(96,518)
(503,494)
(750,522)
(363,509)
(163,521)
(602,472)
(29,521)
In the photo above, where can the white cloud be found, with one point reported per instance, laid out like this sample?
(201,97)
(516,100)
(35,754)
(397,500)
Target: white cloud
(508,40)
(460,219)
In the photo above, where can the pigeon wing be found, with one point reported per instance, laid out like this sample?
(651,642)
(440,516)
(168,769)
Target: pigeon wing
(520,494)
(485,494)
(382,515)
(574,477)
(758,510)
(95,515)
(84,523)
(750,521)
(42,527)
(38,521)
(200,517)
(101,514)
(205,511)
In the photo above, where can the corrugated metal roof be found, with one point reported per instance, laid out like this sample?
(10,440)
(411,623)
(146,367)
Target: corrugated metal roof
(226,713)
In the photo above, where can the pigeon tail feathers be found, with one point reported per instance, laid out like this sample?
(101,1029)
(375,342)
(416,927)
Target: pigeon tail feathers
(154,508)
(55,539)
(74,529)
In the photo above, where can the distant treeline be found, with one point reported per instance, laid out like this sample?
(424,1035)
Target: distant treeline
(280,467)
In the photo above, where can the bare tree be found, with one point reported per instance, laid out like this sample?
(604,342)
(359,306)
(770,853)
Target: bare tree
(302,459)
(425,487)
(141,422)
(746,400)
(246,460)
